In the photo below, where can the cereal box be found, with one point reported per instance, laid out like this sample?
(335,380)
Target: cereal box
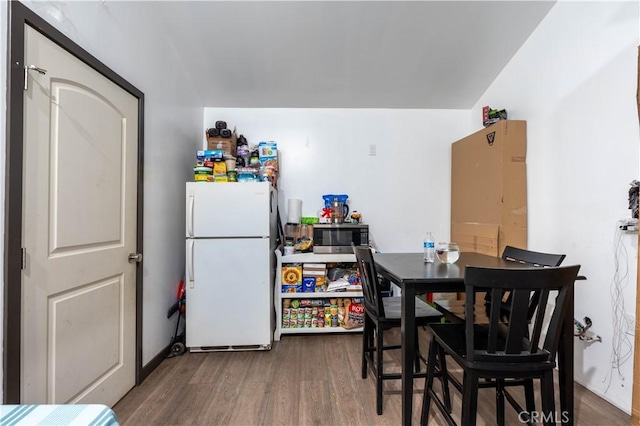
(292,277)
(308,284)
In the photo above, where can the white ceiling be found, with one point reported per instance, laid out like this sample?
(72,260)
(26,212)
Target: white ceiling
(341,54)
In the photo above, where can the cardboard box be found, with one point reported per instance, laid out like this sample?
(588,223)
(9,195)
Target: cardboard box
(227,145)
(308,284)
(317,272)
(321,267)
(476,237)
(291,279)
(489,188)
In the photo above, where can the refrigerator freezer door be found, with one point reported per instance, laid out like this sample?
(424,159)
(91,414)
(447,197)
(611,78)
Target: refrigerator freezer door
(229,294)
(220,210)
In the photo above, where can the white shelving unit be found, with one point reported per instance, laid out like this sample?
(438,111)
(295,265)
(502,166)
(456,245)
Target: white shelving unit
(279,296)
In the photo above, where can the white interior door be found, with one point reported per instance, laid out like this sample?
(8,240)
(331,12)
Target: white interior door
(79,225)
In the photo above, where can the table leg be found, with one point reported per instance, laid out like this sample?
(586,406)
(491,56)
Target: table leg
(408,321)
(565,366)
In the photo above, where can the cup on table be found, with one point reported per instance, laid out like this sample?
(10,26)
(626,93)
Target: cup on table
(447,252)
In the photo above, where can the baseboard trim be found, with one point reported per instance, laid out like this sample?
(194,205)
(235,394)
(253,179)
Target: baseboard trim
(154,363)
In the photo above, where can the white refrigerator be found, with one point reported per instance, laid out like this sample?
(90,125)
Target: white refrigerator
(230,265)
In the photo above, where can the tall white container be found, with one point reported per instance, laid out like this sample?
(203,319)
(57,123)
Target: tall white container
(294,210)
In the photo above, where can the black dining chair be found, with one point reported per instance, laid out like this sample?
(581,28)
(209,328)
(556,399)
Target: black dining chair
(381,314)
(533,258)
(503,350)
(454,311)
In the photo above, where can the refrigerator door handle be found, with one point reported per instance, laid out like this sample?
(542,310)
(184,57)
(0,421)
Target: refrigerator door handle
(190,216)
(190,263)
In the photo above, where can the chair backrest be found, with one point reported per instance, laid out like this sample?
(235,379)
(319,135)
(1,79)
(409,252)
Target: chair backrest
(513,341)
(532,258)
(371,289)
(526,257)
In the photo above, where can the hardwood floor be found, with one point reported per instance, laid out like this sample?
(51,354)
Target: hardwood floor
(303,380)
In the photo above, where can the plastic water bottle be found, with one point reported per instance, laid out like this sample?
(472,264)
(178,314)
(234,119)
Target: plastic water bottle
(429,246)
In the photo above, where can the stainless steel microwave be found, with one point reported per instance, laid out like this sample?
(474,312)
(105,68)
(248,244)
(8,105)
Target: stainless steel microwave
(337,237)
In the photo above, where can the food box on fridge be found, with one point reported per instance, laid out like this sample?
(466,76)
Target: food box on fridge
(227,145)
(219,168)
(267,151)
(209,154)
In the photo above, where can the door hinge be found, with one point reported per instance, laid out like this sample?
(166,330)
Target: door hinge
(23,258)
(26,74)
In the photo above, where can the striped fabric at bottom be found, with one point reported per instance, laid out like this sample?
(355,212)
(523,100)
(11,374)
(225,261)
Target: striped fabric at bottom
(57,415)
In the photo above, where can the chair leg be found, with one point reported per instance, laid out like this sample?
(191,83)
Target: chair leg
(366,344)
(379,371)
(529,398)
(469,398)
(548,401)
(428,384)
(500,402)
(444,378)
(416,355)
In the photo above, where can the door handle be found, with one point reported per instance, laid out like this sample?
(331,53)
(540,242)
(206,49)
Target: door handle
(189,265)
(135,257)
(190,216)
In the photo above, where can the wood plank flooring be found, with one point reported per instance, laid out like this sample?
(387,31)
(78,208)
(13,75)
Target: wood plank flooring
(303,380)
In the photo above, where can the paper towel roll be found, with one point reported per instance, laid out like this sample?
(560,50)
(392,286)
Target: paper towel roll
(294,210)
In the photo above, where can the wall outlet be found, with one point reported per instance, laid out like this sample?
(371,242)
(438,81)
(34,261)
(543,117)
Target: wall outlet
(629,225)
(372,149)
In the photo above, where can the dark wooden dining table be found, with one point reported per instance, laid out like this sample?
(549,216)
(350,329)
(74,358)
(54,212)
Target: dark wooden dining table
(414,276)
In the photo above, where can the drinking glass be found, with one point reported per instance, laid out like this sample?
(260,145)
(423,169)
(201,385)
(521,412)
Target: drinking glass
(447,252)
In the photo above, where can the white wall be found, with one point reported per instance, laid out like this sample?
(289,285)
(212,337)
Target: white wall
(574,81)
(129,38)
(401,192)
